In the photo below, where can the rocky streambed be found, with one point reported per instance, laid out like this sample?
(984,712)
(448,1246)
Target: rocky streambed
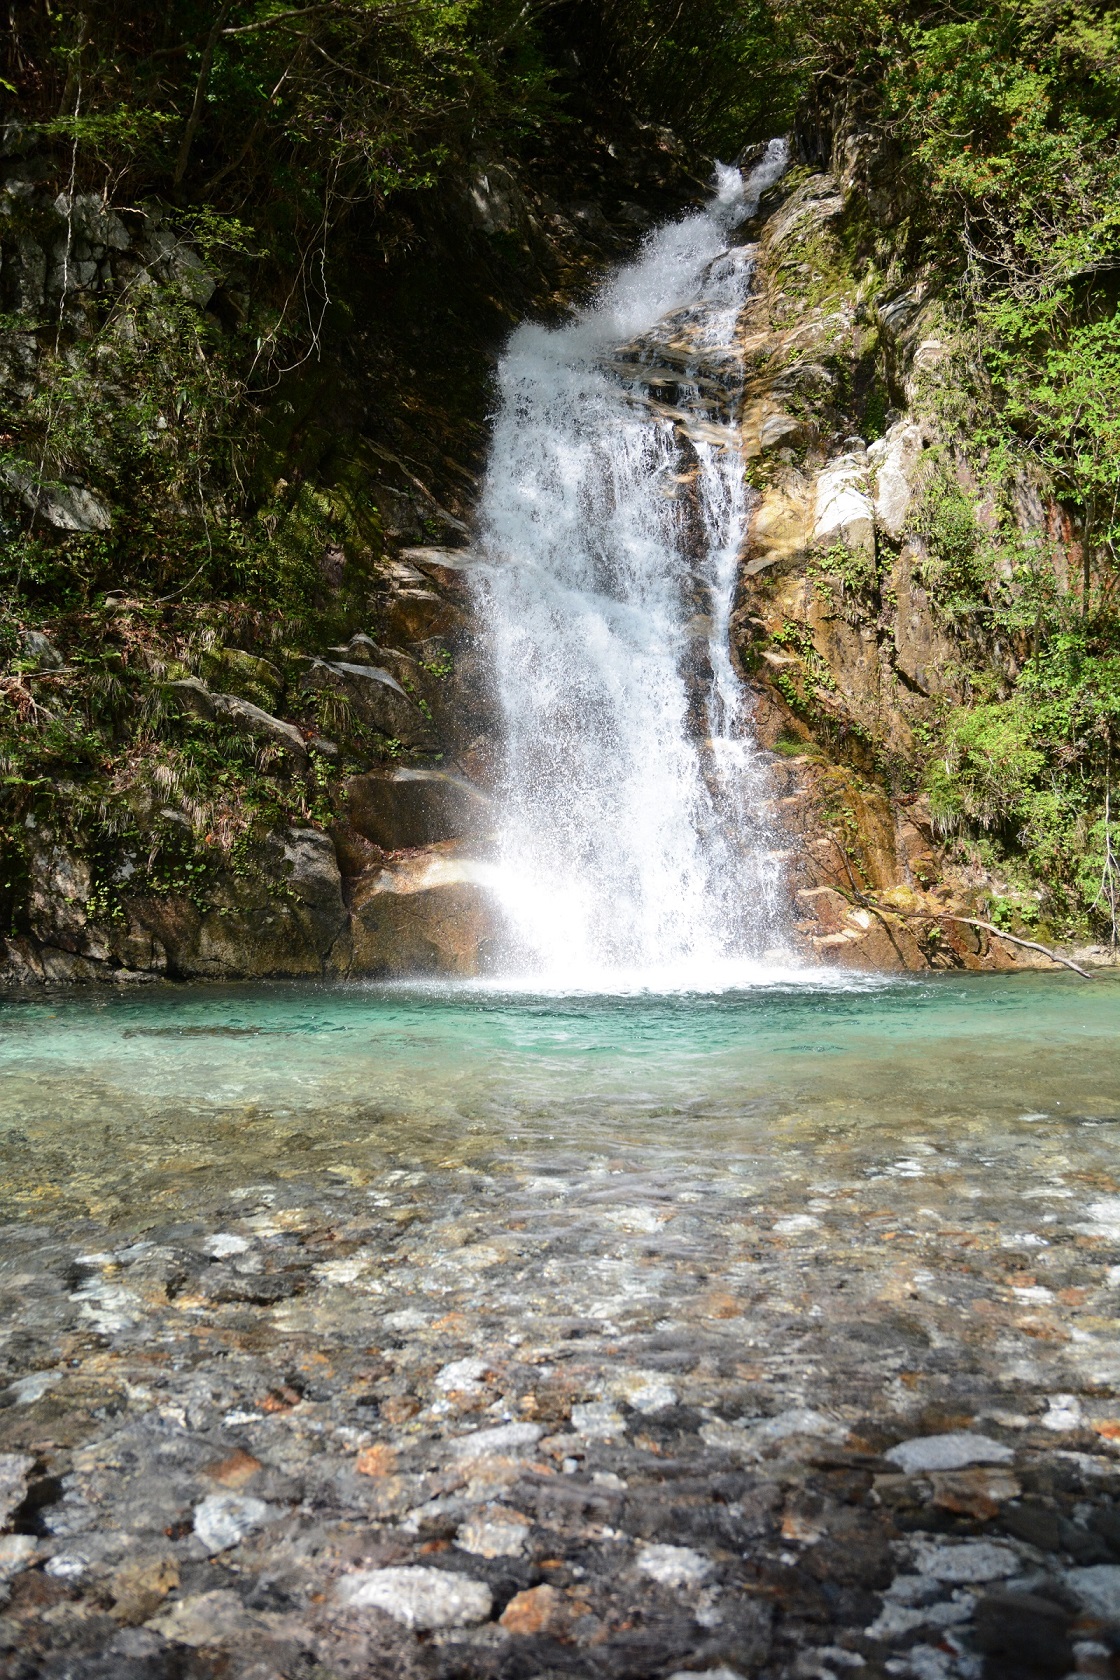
(309,1389)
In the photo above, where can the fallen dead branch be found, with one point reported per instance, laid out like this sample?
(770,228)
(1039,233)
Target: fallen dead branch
(974,921)
(885,910)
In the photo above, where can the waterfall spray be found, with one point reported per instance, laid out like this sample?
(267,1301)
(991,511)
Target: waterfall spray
(634,839)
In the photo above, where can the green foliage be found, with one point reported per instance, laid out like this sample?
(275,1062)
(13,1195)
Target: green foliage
(848,580)
(953,565)
(440,664)
(1060,380)
(988,769)
(719,72)
(1036,770)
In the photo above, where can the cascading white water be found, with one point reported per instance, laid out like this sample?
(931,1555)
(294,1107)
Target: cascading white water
(634,839)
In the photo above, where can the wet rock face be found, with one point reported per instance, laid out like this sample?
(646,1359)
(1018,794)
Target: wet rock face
(839,636)
(428,913)
(490,1421)
(398,809)
(424,910)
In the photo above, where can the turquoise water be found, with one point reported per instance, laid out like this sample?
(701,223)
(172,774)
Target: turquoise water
(105,1097)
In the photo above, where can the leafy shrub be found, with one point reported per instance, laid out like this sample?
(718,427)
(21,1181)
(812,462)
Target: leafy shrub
(953,566)
(988,767)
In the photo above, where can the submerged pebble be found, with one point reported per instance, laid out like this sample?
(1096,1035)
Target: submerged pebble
(263,1419)
(420,1598)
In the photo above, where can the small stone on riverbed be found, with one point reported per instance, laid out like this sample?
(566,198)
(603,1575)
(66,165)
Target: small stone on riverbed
(16,1552)
(14,1471)
(498,1534)
(674,1566)
(1098,1589)
(225,1519)
(952,1451)
(970,1560)
(598,1421)
(224,1244)
(423,1599)
(204,1619)
(506,1438)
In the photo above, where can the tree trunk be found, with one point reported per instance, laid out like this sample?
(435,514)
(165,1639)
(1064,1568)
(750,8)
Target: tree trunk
(199,95)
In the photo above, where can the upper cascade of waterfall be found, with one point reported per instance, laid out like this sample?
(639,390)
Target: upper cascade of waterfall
(635,844)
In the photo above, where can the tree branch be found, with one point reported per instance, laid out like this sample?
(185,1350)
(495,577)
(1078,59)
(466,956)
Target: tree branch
(199,95)
(973,921)
(278,17)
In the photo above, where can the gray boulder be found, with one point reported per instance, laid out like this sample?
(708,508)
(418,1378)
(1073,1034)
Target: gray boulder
(378,699)
(403,808)
(193,696)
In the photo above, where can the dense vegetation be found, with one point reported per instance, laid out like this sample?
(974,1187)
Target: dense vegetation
(1004,122)
(225,228)
(259,153)
(252,132)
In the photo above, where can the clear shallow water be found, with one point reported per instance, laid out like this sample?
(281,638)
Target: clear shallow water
(103,1097)
(702,1244)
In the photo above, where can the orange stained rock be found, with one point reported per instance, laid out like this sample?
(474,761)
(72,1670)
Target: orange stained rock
(719,1304)
(538,1610)
(280,1400)
(398,1408)
(977,1492)
(377,1460)
(234,1471)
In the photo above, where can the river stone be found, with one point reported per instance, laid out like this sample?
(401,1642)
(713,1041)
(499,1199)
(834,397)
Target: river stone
(401,808)
(499,1534)
(203,1619)
(224,1519)
(951,1451)
(16,1553)
(646,1391)
(14,1471)
(1024,1630)
(970,1560)
(1098,1589)
(674,1566)
(223,1244)
(66,1566)
(799,1420)
(460,1374)
(26,1390)
(506,1438)
(597,1421)
(423,1599)
(725,1437)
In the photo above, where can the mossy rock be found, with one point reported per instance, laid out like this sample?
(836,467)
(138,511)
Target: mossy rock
(230,671)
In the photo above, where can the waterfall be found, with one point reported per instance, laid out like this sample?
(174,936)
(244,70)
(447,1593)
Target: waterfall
(634,839)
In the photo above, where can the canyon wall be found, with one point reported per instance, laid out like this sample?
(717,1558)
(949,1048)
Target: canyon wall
(346,838)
